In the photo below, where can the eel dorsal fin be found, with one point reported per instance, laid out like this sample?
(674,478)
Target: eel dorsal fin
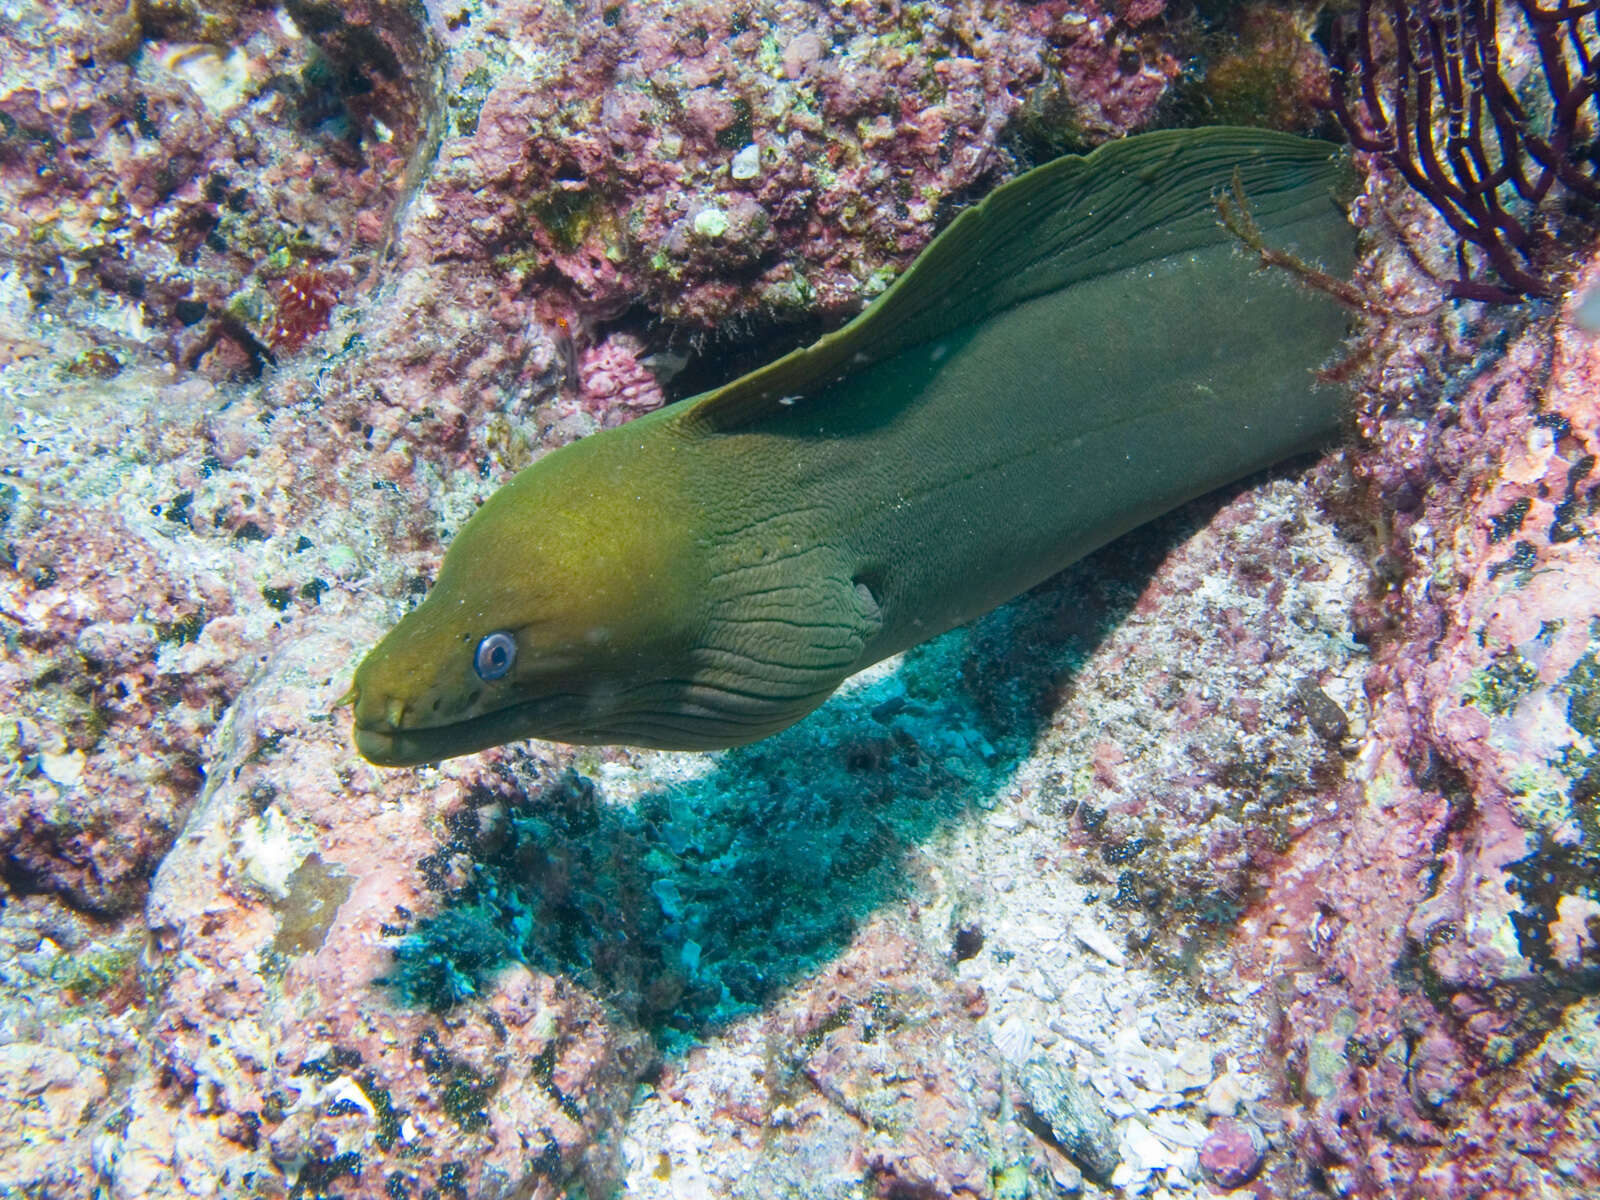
(1127,203)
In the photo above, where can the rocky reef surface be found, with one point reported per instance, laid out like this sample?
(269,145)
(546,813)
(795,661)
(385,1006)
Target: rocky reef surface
(1256,853)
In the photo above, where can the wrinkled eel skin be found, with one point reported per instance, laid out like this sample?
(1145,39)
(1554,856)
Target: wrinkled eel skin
(1083,350)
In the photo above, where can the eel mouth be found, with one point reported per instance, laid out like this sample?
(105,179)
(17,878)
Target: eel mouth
(551,719)
(656,715)
(399,747)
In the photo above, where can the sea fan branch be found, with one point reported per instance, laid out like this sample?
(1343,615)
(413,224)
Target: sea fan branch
(1422,86)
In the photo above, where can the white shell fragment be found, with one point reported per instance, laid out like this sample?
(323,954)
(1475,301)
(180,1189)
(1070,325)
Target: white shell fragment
(1096,939)
(747,163)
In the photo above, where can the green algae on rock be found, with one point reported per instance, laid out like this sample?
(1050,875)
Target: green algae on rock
(1077,354)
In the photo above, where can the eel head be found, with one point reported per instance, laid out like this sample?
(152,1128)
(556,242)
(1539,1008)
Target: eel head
(559,608)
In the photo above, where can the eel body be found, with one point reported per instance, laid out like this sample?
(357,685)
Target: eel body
(1083,350)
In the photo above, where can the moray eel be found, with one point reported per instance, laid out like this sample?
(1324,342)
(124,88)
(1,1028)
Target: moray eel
(1082,351)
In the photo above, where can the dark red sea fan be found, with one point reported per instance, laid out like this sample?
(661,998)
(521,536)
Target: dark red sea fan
(1422,85)
(304,301)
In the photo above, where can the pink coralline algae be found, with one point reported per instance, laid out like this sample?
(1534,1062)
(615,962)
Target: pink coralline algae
(614,383)
(1231,1156)
(650,147)
(118,662)
(1436,948)
(172,164)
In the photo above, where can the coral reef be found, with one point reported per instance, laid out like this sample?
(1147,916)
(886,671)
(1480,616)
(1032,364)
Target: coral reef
(719,162)
(1422,1015)
(272,920)
(119,654)
(164,168)
(1257,851)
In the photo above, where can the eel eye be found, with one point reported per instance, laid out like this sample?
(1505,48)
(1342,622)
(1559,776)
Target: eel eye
(494,656)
